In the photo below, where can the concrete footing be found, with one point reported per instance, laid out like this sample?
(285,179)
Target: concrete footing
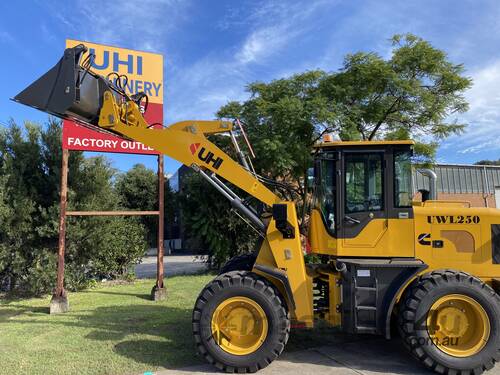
(59,304)
(158,294)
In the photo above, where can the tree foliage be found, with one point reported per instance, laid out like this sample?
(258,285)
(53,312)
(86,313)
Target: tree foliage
(30,160)
(221,233)
(413,94)
(488,162)
(138,190)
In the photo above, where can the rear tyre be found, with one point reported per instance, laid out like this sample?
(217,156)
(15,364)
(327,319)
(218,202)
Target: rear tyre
(450,321)
(242,262)
(240,322)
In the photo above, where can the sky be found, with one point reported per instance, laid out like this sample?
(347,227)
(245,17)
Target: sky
(213,49)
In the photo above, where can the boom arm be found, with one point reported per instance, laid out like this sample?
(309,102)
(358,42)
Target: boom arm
(70,90)
(186,142)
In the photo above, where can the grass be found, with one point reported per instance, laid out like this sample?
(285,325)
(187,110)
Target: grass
(109,330)
(113,329)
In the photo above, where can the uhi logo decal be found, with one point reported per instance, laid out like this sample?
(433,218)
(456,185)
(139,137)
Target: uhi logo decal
(205,156)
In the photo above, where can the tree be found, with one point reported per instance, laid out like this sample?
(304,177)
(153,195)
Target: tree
(30,160)
(208,218)
(411,95)
(138,190)
(488,162)
(284,118)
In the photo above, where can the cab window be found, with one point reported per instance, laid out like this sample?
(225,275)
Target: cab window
(325,191)
(402,179)
(363,183)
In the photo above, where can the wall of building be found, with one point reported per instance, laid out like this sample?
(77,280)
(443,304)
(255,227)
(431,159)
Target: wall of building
(470,183)
(476,200)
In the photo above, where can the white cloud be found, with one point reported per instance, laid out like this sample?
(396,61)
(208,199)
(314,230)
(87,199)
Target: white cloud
(201,89)
(261,43)
(483,116)
(6,37)
(143,25)
(278,24)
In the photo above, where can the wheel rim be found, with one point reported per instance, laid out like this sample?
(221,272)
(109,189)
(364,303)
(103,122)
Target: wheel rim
(458,325)
(239,325)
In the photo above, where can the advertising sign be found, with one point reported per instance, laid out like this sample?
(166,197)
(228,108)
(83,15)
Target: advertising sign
(144,72)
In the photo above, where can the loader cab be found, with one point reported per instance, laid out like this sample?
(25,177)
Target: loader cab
(362,193)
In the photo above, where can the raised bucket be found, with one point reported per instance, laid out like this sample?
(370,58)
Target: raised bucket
(68,90)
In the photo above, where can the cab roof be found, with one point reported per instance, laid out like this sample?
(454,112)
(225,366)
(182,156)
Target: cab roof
(362,143)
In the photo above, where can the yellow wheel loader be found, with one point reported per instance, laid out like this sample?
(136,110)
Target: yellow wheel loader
(432,268)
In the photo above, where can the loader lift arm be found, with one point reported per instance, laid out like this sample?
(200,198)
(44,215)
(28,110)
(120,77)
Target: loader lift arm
(70,90)
(186,142)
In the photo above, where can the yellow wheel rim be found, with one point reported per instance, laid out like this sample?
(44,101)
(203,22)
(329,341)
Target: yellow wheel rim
(458,325)
(239,325)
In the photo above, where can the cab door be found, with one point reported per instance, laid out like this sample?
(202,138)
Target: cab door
(363,218)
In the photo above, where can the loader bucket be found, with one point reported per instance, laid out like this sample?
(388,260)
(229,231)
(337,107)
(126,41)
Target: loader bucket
(68,90)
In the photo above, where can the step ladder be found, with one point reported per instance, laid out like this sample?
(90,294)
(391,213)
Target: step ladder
(365,305)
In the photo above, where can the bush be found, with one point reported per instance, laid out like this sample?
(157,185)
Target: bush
(208,219)
(97,247)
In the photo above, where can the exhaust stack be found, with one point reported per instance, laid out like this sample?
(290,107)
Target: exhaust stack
(432,176)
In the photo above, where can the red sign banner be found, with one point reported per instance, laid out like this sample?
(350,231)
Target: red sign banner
(78,137)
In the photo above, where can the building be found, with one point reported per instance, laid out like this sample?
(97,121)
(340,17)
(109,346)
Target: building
(177,239)
(477,184)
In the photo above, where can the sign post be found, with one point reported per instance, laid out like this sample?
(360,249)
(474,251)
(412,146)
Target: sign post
(59,302)
(138,72)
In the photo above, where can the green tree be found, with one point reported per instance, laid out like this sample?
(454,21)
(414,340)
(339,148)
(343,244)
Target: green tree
(138,190)
(413,94)
(30,160)
(221,234)
(488,162)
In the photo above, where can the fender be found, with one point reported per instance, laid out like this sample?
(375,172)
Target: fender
(280,277)
(408,277)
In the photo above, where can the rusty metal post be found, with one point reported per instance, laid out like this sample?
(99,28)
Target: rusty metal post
(161,221)
(59,302)
(159,292)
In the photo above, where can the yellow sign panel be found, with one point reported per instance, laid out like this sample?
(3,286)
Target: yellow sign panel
(144,70)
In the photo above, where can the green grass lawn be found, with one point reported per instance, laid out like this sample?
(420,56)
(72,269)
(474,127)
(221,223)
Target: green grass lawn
(112,330)
(109,330)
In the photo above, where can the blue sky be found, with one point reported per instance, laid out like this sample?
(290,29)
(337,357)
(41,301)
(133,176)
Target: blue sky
(213,49)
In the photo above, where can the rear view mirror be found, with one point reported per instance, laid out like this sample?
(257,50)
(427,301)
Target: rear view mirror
(280,216)
(280,213)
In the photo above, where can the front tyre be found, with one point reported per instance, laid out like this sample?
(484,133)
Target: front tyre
(450,321)
(240,322)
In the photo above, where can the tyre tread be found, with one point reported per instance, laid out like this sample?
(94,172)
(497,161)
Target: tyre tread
(251,280)
(412,298)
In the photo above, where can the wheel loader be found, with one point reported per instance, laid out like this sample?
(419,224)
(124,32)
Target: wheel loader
(431,269)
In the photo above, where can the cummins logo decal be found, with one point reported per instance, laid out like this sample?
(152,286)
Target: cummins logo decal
(424,239)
